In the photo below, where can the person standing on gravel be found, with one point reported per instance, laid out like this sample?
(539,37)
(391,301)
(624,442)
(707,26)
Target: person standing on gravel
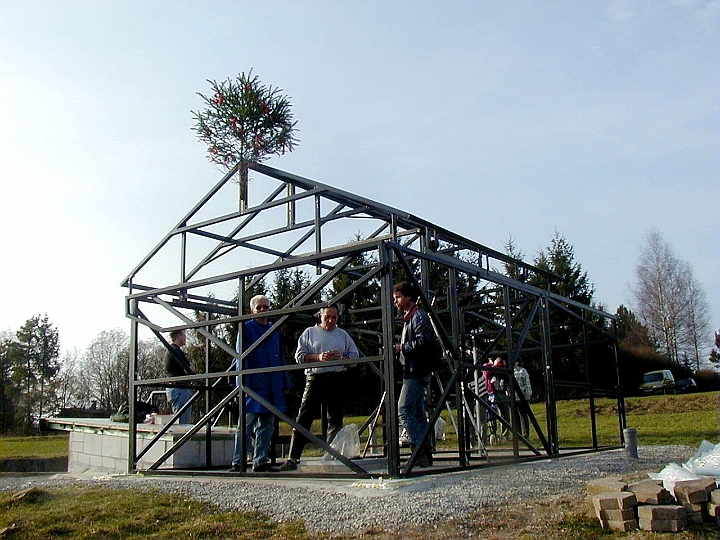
(177,365)
(499,383)
(324,385)
(270,386)
(523,379)
(418,355)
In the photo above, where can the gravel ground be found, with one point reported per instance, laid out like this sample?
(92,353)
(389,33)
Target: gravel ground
(343,506)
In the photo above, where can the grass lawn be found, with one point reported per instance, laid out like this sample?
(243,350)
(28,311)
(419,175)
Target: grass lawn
(660,420)
(93,512)
(34,447)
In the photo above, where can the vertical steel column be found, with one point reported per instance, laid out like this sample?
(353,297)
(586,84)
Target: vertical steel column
(457,366)
(132,431)
(424,265)
(479,413)
(618,386)
(290,205)
(588,381)
(318,231)
(244,174)
(551,411)
(514,417)
(392,435)
(241,433)
(183,257)
(208,426)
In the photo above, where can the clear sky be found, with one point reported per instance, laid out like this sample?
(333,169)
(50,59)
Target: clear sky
(597,119)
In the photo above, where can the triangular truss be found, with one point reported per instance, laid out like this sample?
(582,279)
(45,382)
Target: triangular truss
(217,251)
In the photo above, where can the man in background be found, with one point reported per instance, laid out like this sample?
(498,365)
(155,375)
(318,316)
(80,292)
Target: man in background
(177,365)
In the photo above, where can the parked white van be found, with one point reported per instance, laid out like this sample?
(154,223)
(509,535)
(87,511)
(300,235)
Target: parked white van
(658,382)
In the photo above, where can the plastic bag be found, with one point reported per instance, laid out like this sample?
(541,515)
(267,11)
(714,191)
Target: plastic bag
(440,426)
(673,473)
(706,462)
(346,442)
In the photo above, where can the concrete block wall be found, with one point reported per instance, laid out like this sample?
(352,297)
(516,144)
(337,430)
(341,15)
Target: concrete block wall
(104,450)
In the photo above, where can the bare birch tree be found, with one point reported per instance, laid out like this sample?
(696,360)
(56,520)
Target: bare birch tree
(697,325)
(105,366)
(670,302)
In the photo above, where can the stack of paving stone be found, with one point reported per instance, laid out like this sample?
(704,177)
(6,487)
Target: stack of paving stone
(649,506)
(695,495)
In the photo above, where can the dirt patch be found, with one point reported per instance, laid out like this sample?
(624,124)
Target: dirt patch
(657,405)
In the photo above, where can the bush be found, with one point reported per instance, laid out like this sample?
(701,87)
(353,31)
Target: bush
(707,380)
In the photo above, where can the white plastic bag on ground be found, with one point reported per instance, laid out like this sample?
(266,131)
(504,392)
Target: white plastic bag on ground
(347,442)
(707,460)
(673,473)
(440,426)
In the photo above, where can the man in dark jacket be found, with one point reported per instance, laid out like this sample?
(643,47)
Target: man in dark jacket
(271,386)
(418,356)
(177,365)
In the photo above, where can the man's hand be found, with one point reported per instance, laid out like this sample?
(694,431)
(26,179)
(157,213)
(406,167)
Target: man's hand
(328,356)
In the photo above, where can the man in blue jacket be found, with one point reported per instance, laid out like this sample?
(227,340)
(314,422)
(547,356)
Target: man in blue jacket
(418,355)
(271,386)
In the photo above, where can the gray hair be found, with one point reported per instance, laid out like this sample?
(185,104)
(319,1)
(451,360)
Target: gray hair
(255,300)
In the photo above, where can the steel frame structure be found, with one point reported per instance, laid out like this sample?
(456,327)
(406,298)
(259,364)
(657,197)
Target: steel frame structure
(289,223)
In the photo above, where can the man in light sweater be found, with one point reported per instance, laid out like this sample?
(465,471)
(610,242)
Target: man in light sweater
(324,342)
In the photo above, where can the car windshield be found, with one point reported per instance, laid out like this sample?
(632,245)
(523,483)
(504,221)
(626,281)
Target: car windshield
(653,377)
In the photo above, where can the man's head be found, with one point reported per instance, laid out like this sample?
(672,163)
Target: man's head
(329,317)
(178,337)
(404,295)
(259,304)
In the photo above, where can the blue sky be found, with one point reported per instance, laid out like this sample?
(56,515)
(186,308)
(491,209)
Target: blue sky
(595,119)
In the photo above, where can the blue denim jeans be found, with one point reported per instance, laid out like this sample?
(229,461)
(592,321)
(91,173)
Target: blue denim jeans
(177,397)
(259,429)
(411,407)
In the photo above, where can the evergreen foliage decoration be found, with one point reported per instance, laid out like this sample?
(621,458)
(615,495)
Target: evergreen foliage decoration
(245,120)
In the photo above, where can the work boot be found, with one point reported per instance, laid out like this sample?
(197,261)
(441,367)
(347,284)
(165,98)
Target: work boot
(429,454)
(265,467)
(422,460)
(289,465)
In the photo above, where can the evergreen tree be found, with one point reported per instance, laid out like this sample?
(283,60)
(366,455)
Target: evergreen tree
(40,346)
(714,357)
(571,359)
(10,358)
(512,269)
(559,258)
(631,333)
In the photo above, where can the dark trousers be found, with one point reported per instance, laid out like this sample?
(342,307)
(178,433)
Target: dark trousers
(321,389)
(522,419)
